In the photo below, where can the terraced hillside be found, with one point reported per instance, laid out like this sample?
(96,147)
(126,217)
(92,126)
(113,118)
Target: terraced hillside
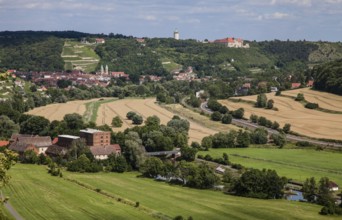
(79,56)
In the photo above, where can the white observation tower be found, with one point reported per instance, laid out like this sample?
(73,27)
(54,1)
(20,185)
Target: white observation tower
(176,35)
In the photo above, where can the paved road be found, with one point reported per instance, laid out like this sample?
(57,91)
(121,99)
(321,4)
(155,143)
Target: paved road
(247,124)
(13,212)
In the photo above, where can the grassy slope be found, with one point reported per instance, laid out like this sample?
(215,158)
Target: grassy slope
(292,163)
(37,195)
(200,204)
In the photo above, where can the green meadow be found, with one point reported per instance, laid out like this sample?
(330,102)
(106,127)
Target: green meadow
(37,195)
(174,200)
(294,163)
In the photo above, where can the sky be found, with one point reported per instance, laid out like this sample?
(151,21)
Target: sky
(259,20)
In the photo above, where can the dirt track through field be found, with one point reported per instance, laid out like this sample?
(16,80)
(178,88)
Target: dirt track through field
(305,121)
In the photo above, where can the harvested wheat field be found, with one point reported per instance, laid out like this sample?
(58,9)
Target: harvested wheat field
(305,121)
(145,108)
(323,99)
(58,110)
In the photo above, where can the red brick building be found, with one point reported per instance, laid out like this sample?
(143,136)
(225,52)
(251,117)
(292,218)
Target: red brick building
(94,137)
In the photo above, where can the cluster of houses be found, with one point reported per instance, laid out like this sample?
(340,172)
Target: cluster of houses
(103,78)
(187,75)
(98,142)
(244,88)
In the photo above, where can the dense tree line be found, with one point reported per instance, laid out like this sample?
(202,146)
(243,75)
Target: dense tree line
(42,55)
(321,194)
(262,184)
(288,51)
(328,77)
(131,57)
(189,174)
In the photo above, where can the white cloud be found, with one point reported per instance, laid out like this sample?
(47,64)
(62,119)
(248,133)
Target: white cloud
(149,18)
(273,16)
(53,5)
(293,2)
(333,1)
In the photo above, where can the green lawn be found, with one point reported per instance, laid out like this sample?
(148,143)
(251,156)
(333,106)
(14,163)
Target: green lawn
(200,204)
(37,195)
(298,164)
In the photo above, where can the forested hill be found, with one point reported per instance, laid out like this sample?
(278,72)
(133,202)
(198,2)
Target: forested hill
(34,50)
(328,77)
(41,51)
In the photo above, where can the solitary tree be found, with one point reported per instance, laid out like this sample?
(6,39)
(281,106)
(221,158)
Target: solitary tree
(239,113)
(116,122)
(300,97)
(309,189)
(130,115)
(261,101)
(137,120)
(7,127)
(279,139)
(270,104)
(216,116)
(152,167)
(325,196)
(207,142)
(227,119)
(287,128)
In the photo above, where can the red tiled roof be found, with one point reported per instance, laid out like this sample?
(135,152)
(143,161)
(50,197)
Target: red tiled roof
(119,74)
(4,143)
(37,141)
(332,184)
(295,85)
(55,140)
(246,85)
(310,83)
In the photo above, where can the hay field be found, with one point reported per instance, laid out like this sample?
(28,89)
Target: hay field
(305,121)
(324,99)
(58,110)
(145,108)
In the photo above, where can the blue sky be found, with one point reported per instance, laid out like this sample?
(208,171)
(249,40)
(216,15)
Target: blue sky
(207,19)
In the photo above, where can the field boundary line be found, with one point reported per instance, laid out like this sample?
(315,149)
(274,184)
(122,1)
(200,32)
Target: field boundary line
(92,109)
(288,164)
(155,214)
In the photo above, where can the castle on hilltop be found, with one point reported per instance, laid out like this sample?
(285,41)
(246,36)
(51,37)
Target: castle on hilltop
(232,42)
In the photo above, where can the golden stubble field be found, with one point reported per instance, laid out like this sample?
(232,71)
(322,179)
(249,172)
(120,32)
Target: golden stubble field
(324,99)
(145,108)
(305,121)
(58,110)
(106,112)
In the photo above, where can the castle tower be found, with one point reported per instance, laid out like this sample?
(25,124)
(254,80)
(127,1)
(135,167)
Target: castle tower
(102,70)
(176,35)
(107,70)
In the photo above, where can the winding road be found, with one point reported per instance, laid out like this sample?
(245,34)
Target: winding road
(247,124)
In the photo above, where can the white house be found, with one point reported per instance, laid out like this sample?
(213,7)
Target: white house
(102,152)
